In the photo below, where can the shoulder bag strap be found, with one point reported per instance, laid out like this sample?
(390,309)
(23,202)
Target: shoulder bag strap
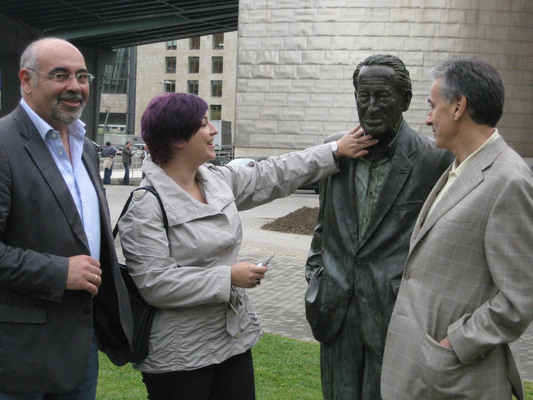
(150,189)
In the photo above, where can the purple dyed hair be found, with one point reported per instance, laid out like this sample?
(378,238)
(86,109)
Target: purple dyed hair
(168,119)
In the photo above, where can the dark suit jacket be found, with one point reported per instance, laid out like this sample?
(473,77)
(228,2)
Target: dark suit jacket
(339,266)
(45,331)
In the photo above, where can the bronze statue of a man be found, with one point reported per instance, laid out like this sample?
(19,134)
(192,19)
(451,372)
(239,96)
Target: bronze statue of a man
(361,241)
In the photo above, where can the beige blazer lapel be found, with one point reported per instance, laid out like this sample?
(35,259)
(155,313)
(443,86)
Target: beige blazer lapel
(427,205)
(469,179)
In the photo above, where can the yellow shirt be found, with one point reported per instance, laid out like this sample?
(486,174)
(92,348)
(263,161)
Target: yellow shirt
(458,169)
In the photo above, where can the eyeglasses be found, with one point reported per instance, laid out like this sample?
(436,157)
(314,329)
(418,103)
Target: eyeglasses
(83,78)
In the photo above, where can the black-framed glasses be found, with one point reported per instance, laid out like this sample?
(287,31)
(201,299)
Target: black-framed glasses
(83,78)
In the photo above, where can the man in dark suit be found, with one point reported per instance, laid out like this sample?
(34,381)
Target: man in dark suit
(61,294)
(367,213)
(127,154)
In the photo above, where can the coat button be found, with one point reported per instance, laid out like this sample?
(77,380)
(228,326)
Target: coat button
(229,249)
(406,276)
(237,335)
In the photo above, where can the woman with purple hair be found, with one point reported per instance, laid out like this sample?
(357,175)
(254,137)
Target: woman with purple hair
(205,325)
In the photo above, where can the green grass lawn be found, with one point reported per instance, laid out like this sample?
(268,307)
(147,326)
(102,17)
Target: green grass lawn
(284,369)
(528,387)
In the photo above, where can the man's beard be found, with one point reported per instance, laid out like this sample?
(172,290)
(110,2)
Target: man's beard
(64,114)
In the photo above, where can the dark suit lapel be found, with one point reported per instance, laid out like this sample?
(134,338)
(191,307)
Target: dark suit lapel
(429,201)
(399,172)
(44,162)
(344,193)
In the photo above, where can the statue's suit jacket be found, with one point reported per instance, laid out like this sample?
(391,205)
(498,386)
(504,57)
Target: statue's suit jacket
(45,330)
(468,276)
(340,266)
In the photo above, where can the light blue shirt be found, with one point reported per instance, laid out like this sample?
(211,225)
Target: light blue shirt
(74,173)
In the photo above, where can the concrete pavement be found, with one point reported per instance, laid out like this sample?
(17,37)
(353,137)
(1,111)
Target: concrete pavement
(279,300)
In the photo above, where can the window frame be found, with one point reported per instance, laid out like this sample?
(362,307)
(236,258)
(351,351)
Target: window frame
(217,64)
(215,110)
(216,88)
(195,83)
(170,65)
(172,44)
(194,43)
(169,86)
(218,41)
(194,64)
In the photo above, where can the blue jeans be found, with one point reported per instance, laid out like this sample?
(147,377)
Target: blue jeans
(126,180)
(86,390)
(107,175)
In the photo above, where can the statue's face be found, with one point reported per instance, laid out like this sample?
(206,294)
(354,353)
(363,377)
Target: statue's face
(379,104)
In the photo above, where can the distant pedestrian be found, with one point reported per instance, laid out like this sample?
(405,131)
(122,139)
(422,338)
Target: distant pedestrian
(143,157)
(108,153)
(126,160)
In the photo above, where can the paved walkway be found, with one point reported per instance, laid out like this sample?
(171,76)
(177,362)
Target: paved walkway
(279,299)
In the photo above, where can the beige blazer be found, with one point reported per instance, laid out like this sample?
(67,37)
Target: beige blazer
(468,276)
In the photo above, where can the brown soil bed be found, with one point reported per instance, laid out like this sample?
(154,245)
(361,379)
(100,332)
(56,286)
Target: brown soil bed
(301,221)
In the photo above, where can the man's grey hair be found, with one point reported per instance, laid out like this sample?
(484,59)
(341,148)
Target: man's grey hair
(29,59)
(478,82)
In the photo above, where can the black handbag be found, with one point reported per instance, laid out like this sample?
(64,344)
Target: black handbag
(143,313)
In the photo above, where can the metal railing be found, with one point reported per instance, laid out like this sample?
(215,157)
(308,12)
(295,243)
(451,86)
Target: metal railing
(136,163)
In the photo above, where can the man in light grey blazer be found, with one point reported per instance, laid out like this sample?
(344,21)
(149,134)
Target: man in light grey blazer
(465,295)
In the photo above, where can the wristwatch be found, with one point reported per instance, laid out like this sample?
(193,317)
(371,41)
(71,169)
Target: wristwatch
(334,151)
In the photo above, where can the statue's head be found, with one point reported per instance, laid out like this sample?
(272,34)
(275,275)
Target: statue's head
(382,93)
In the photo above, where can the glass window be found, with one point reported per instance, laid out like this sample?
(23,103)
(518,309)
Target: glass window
(217,65)
(194,43)
(116,75)
(216,88)
(170,86)
(194,65)
(216,112)
(192,87)
(172,45)
(218,41)
(171,64)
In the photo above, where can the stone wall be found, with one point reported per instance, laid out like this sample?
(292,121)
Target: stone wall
(296,59)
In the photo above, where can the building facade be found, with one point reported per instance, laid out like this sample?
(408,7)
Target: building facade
(203,65)
(296,59)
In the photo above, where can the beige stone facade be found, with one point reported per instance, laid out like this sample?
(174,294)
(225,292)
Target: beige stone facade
(296,59)
(152,77)
(114,103)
